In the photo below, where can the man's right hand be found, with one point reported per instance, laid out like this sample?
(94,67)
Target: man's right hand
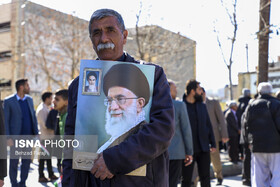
(10,142)
(225,140)
(188,160)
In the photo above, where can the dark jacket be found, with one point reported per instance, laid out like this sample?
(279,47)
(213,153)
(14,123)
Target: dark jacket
(232,124)
(148,146)
(52,121)
(243,103)
(261,124)
(3,145)
(206,135)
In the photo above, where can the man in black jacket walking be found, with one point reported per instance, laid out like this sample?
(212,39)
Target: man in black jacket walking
(261,130)
(202,134)
(243,103)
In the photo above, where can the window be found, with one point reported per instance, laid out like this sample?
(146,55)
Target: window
(4,27)
(5,55)
(5,82)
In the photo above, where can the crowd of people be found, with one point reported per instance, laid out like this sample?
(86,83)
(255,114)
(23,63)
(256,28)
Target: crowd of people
(180,135)
(21,119)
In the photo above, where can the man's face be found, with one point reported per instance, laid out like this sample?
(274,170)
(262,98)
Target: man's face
(115,108)
(26,88)
(234,107)
(173,90)
(122,112)
(198,94)
(59,103)
(203,95)
(91,80)
(49,100)
(107,31)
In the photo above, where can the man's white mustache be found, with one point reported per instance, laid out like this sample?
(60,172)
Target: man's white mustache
(105,46)
(116,112)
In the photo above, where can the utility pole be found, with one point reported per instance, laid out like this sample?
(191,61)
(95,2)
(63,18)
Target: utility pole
(263,36)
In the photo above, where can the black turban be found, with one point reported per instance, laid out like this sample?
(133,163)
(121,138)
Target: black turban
(128,76)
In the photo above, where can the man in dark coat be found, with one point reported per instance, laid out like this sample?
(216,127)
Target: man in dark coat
(261,130)
(243,103)
(149,144)
(233,132)
(202,134)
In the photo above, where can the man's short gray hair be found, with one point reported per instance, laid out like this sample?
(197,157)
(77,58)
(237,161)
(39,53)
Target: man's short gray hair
(102,13)
(232,103)
(246,92)
(265,88)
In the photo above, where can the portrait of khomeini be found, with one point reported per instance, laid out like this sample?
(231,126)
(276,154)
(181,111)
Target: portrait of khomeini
(91,82)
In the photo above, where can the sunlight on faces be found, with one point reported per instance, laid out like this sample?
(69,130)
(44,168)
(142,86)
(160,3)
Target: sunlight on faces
(173,90)
(26,88)
(105,46)
(107,38)
(121,118)
(59,103)
(198,93)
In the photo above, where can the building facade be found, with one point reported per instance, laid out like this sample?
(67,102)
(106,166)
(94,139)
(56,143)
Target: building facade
(249,79)
(174,52)
(46,46)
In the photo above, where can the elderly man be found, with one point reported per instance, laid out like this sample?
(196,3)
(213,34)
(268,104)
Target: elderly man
(181,146)
(125,102)
(261,130)
(243,102)
(233,132)
(149,145)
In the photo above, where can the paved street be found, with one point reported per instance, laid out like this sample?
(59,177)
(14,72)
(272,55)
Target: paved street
(232,172)
(32,180)
(233,181)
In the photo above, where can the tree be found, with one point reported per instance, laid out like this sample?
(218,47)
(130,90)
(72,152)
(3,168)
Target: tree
(174,52)
(229,62)
(54,45)
(263,36)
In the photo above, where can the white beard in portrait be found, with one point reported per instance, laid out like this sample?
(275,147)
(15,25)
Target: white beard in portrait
(116,126)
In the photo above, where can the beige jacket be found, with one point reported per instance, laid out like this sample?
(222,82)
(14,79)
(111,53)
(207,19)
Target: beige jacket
(217,119)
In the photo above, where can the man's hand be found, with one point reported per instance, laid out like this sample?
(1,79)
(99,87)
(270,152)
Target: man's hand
(1,183)
(10,142)
(188,160)
(225,140)
(212,149)
(99,169)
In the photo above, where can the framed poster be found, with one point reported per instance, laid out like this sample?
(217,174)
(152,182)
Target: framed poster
(118,105)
